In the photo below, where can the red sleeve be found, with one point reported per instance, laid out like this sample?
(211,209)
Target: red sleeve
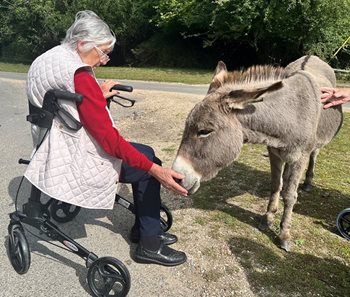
(97,122)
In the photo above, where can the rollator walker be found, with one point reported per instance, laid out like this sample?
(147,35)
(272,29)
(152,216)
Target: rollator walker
(343,223)
(107,276)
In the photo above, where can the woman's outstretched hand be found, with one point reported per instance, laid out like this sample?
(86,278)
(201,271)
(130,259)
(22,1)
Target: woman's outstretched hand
(166,177)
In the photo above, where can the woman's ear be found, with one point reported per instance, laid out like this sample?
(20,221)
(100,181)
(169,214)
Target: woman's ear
(80,46)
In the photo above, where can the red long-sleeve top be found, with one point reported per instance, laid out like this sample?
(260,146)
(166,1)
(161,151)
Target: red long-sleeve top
(97,122)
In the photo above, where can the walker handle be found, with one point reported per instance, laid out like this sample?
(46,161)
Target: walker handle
(124,88)
(65,95)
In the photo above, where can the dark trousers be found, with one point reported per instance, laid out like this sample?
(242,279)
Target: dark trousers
(146,193)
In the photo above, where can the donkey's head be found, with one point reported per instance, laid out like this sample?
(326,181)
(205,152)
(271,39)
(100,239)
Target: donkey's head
(213,135)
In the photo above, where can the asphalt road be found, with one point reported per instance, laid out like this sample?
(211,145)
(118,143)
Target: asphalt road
(51,273)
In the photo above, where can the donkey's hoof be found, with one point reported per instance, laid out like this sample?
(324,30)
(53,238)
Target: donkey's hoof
(285,245)
(306,187)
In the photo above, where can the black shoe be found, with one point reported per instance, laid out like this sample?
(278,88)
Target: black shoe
(164,256)
(166,238)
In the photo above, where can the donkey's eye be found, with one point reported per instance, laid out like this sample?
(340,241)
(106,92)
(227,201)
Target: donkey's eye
(204,133)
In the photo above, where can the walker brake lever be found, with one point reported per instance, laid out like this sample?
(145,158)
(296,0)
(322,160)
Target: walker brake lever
(131,101)
(125,88)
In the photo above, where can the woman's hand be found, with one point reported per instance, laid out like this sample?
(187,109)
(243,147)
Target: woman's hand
(334,96)
(166,177)
(106,87)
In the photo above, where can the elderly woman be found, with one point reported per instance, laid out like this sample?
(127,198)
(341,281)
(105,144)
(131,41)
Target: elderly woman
(82,167)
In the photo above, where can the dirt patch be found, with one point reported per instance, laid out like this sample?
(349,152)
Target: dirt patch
(157,119)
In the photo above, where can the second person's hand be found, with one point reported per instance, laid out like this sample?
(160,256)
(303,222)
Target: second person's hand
(334,96)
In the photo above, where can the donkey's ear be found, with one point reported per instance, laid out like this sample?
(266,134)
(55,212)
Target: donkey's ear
(219,68)
(240,99)
(218,77)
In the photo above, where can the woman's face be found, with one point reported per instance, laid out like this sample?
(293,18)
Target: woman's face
(96,56)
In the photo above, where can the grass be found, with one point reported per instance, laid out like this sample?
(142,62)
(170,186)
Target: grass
(188,76)
(318,264)
(14,67)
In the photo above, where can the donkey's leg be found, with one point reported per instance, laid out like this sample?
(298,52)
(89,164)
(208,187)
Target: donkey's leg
(291,177)
(307,185)
(276,165)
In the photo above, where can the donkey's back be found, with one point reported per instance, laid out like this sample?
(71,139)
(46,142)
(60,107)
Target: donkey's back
(330,119)
(323,73)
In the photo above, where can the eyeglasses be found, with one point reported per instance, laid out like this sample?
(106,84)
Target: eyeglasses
(103,56)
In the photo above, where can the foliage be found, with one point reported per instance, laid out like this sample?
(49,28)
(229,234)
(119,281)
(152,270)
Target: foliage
(279,30)
(214,20)
(29,27)
(187,32)
(307,27)
(128,19)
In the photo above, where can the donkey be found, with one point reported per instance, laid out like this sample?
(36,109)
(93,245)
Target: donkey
(276,106)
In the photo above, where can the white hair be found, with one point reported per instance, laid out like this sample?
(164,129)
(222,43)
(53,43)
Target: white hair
(91,29)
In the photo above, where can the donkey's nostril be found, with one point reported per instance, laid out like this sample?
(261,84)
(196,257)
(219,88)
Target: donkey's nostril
(178,180)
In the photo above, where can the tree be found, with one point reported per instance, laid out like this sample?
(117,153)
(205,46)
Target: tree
(30,27)
(306,27)
(187,32)
(277,30)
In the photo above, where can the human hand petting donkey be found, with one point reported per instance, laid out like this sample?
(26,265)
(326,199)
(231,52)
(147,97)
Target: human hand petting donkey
(168,178)
(334,96)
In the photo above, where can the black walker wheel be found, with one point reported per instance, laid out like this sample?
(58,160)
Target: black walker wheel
(63,212)
(108,276)
(18,248)
(166,218)
(343,223)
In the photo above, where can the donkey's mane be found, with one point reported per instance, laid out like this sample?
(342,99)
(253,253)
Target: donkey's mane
(255,74)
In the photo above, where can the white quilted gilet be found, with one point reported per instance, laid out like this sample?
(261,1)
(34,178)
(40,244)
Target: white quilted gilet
(69,165)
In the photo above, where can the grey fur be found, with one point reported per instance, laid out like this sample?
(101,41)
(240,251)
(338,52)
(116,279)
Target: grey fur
(290,121)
